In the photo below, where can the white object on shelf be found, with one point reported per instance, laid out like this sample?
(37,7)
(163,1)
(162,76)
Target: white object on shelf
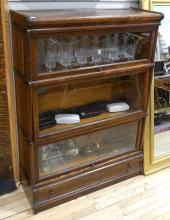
(117,107)
(67,118)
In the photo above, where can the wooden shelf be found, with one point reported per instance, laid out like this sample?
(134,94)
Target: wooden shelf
(111,118)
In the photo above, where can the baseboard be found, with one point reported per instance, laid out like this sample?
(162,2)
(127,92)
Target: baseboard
(7,186)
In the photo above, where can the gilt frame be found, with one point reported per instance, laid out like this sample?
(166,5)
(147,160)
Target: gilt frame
(152,164)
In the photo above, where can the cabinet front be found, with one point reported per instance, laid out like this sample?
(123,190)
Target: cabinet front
(83,105)
(64,54)
(89,148)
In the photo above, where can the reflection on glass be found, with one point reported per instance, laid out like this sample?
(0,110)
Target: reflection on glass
(79,150)
(162,88)
(71,105)
(55,54)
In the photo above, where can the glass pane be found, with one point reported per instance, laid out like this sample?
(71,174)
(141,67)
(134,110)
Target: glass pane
(65,53)
(79,150)
(162,88)
(77,104)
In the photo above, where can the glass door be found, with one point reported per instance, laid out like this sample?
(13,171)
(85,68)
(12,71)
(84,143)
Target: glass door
(62,54)
(89,148)
(83,104)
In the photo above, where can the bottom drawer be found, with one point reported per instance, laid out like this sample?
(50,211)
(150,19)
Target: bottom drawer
(73,187)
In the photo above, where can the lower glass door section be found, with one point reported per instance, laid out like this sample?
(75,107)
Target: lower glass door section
(87,148)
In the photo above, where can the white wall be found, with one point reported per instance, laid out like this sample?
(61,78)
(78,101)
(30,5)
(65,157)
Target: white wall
(68,4)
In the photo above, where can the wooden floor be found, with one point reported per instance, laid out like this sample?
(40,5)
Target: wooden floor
(143,198)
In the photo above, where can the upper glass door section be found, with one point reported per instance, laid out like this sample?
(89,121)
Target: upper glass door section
(65,52)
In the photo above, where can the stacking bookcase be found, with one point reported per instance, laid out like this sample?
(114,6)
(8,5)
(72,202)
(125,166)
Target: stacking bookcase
(82,84)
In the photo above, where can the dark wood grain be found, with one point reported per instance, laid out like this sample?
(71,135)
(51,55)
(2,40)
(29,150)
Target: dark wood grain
(50,18)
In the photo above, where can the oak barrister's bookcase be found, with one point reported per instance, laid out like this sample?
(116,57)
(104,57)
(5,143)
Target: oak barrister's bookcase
(69,66)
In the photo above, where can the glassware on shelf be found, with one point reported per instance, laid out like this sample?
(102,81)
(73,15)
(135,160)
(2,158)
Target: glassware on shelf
(44,159)
(132,46)
(44,153)
(96,50)
(65,55)
(51,54)
(111,48)
(96,56)
(71,149)
(82,149)
(107,45)
(50,156)
(81,56)
(123,39)
(82,51)
(113,54)
(87,50)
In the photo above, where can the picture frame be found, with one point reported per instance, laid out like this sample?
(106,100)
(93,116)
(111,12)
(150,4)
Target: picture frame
(154,163)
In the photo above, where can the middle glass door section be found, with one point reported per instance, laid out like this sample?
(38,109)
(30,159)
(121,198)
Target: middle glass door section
(73,105)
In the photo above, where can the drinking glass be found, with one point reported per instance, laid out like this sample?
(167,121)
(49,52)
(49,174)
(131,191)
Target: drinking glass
(132,46)
(66,55)
(71,149)
(81,56)
(44,159)
(123,45)
(82,52)
(113,54)
(107,45)
(97,50)
(96,55)
(111,48)
(51,55)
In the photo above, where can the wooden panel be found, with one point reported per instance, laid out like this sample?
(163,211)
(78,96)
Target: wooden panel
(5,141)
(26,155)
(24,107)
(81,17)
(20,52)
(81,184)
(8,90)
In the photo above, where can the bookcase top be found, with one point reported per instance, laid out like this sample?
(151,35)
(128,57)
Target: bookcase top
(40,18)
